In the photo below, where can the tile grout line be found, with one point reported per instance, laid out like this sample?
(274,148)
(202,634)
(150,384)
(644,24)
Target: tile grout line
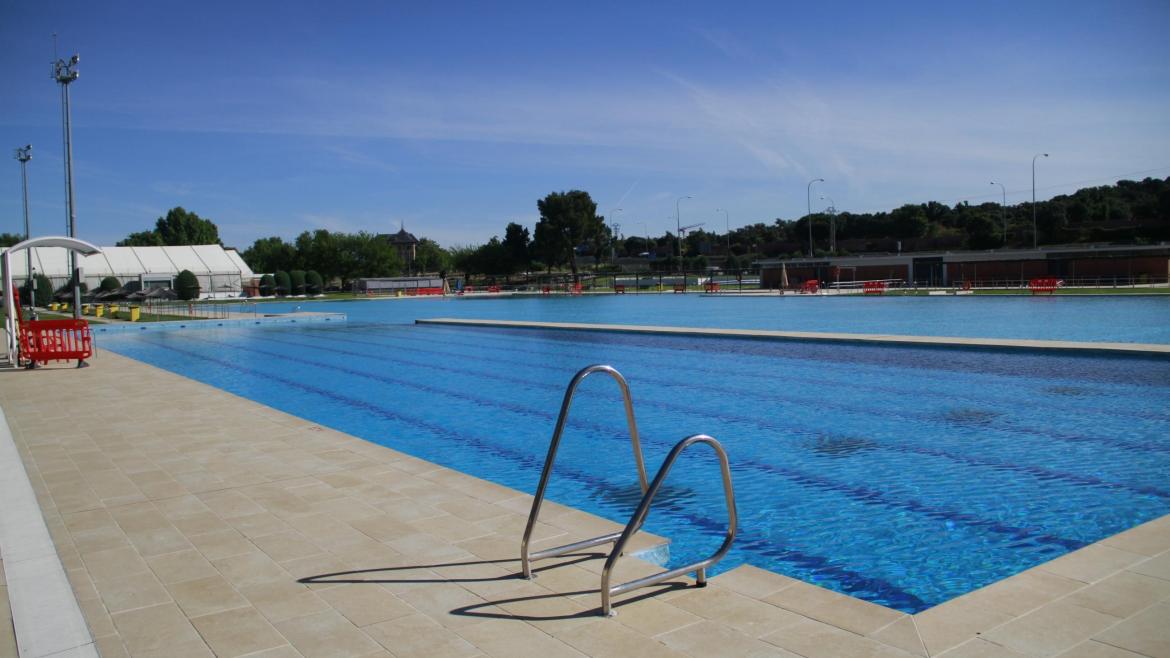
(46,616)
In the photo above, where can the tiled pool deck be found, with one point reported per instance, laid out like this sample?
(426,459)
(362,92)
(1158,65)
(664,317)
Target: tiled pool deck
(186,517)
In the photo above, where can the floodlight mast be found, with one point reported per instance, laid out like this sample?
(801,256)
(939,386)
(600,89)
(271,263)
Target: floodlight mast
(65,72)
(23,155)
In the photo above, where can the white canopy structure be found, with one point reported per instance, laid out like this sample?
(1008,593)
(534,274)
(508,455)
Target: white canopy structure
(221,272)
(57,246)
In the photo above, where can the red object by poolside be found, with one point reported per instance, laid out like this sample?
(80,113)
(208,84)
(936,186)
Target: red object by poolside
(55,340)
(1044,286)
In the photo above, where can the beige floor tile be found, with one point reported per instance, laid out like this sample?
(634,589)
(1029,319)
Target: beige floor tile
(154,629)
(752,581)
(199,524)
(1158,566)
(605,639)
(1050,629)
(204,596)
(1146,539)
(1023,592)
(980,648)
(108,646)
(514,639)
(1092,563)
(418,636)
(283,600)
(1094,649)
(326,634)
(113,563)
(229,504)
(746,615)
(288,545)
(708,638)
(1122,594)
(136,591)
(179,566)
(365,604)
(438,600)
(842,611)
(956,621)
(237,632)
(902,634)
(814,639)
(251,569)
(1147,632)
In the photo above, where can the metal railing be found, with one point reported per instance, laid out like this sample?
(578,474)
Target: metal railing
(526,558)
(620,539)
(639,517)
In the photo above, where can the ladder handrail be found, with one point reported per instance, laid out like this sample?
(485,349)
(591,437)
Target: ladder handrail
(538,498)
(639,517)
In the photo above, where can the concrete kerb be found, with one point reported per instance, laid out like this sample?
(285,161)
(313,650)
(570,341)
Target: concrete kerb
(45,613)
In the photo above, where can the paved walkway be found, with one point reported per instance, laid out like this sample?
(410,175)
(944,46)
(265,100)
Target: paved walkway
(192,522)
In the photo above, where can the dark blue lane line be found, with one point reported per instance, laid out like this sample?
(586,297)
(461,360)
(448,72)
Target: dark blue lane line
(997,465)
(861,494)
(1045,434)
(849,581)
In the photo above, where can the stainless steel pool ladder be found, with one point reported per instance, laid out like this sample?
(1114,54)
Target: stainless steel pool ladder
(620,539)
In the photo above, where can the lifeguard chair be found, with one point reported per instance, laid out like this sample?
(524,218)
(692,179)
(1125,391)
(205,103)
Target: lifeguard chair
(41,341)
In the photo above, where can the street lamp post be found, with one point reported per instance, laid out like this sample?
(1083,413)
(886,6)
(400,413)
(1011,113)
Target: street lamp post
(1035,235)
(808,194)
(832,222)
(65,72)
(727,225)
(1003,210)
(678,230)
(613,234)
(24,155)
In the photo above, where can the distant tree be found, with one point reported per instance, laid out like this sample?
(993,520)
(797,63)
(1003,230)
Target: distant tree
(283,283)
(9,239)
(313,283)
(267,285)
(44,291)
(517,247)
(296,280)
(567,220)
(430,257)
(142,239)
(909,221)
(271,254)
(110,284)
(187,285)
(178,227)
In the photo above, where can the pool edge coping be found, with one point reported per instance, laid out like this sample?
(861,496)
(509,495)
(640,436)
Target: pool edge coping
(1075,347)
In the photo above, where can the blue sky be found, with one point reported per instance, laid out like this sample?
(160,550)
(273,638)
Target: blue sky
(454,118)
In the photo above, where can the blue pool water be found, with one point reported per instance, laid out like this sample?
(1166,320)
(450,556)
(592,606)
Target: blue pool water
(901,476)
(1144,319)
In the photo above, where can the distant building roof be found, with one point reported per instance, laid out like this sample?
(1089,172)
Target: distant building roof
(402,237)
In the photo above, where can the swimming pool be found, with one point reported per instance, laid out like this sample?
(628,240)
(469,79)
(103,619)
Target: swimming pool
(902,476)
(1140,319)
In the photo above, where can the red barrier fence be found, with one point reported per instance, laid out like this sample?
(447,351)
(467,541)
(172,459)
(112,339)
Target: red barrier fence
(874,287)
(712,286)
(55,340)
(812,286)
(1044,286)
(619,289)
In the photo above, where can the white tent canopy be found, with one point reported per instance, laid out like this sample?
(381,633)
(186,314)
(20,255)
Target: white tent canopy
(218,269)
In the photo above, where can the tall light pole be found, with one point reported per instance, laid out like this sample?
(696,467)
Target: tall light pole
(808,194)
(678,229)
(832,209)
(727,225)
(1035,236)
(24,154)
(65,72)
(1003,210)
(613,234)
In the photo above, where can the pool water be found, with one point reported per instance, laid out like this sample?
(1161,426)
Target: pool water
(1140,319)
(902,476)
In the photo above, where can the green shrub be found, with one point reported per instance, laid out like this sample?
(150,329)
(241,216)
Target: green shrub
(313,283)
(283,284)
(296,280)
(187,285)
(110,284)
(267,285)
(43,290)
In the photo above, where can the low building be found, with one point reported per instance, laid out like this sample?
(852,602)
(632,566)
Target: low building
(406,245)
(1085,264)
(221,272)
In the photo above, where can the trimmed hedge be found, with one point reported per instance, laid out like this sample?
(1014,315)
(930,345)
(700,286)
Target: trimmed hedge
(296,280)
(110,284)
(187,285)
(267,285)
(283,284)
(314,285)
